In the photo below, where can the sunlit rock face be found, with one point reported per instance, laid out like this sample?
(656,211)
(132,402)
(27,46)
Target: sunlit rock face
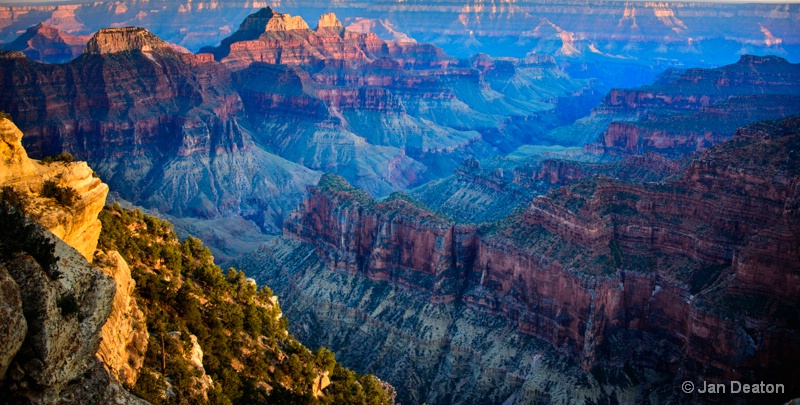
(77,224)
(54,314)
(124,343)
(679,273)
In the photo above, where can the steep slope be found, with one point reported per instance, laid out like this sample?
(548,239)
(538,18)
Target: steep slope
(73,217)
(163,128)
(42,43)
(55,304)
(215,337)
(171,327)
(602,290)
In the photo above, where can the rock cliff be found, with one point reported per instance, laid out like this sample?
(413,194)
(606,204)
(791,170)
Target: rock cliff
(694,276)
(128,39)
(164,128)
(77,223)
(47,44)
(125,336)
(687,111)
(47,278)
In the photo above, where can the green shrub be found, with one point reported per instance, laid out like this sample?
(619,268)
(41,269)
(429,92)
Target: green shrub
(65,196)
(180,289)
(64,157)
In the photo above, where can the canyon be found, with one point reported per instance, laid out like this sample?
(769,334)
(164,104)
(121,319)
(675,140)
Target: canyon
(601,276)
(484,202)
(231,137)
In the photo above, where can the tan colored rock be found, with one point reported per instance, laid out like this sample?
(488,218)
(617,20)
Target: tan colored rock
(14,161)
(65,315)
(12,322)
(321,381)
(201,383)
(125,336)
(77,225)
(285,22)
(329,21)
(114,40)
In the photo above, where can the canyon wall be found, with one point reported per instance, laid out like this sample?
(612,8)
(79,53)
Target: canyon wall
(696,276)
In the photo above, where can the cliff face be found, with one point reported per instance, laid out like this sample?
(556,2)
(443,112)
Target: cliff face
(128,39)
(163,127)
(704,265)
(124,335)
(76,224)
(686,111)
(43,43)
(55,313)
(275,38)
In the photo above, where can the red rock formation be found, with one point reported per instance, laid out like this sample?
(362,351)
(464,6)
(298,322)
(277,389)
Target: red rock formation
(136,108)
(689,111)
(705,265)
(275,38)
(43,43)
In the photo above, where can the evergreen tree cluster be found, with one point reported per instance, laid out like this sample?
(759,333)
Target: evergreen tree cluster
(248,353)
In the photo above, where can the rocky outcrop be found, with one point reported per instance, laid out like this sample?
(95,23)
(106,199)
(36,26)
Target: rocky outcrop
(53,313)
(124,335)
(114,40)
(76,224)
(329,21)
(275,38)
(47,44)
(57,363)
(14,329)
(674,277)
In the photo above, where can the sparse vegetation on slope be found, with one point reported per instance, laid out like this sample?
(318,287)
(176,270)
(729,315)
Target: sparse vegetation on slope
(247,351)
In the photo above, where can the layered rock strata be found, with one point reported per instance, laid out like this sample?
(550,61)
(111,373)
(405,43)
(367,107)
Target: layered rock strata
(686,111)
(696,276)
(163,128)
